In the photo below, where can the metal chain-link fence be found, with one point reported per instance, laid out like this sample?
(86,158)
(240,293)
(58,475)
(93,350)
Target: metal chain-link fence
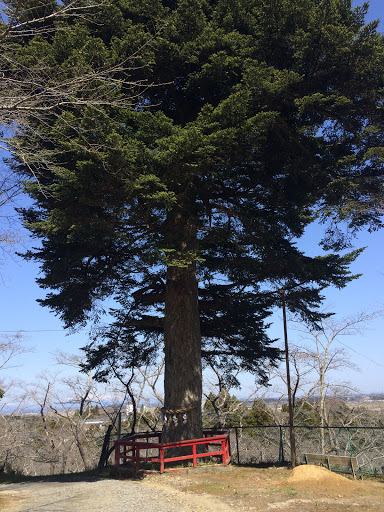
(270,444)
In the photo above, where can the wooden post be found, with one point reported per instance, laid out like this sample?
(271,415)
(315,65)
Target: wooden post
(290,406)
(119,425)
(237,445)
(137,458)
(161,459)
(224,450)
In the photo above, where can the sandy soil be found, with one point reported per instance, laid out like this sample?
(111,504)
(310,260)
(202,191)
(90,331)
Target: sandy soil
(305,489)
(102,495)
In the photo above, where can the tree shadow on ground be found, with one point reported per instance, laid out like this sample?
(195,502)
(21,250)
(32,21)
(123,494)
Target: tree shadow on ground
(84,476)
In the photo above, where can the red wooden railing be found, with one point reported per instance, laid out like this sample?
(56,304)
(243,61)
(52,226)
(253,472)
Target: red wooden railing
(127,450)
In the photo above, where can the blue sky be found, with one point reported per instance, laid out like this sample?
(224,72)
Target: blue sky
(43,331)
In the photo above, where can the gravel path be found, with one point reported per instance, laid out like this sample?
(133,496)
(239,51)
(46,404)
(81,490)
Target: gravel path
(104,495)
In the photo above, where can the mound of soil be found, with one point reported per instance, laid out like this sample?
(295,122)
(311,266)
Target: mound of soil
(318,478)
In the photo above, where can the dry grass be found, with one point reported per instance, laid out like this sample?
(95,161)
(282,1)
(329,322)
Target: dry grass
(307,488)
(235,489)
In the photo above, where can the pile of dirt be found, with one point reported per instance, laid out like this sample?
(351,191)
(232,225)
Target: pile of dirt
(312,478)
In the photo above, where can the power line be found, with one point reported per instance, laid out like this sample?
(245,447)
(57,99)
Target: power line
(39,330)
(362,355)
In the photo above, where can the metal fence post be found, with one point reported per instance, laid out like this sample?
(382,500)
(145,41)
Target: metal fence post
(281,448)
(349,443)
(371,457)
(237,445)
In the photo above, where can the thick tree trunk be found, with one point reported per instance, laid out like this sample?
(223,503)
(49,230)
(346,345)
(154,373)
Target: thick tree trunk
(182,346)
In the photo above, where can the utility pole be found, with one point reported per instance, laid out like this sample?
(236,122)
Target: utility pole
(290,406)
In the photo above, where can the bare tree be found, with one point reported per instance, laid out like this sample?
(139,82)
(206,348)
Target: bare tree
(9,190)
(75,411)
(11,347)
(131,391)
(13,403)
(59,437)
(33,91)
(219,399)
(150,376)
(323,356)
(315,359)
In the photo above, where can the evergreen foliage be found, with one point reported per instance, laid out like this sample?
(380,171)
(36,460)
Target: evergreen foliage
(259,415)
(263,117)
(306,413)
(223,410)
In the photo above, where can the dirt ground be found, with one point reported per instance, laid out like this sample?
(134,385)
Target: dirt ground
(221,489)
(306,488)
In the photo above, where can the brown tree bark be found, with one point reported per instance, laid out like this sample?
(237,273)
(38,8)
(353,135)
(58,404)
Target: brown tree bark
(182,346)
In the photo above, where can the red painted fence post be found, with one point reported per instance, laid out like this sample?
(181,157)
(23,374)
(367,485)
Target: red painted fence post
(137,457)
(131,450)
(161,459)
(223,449)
